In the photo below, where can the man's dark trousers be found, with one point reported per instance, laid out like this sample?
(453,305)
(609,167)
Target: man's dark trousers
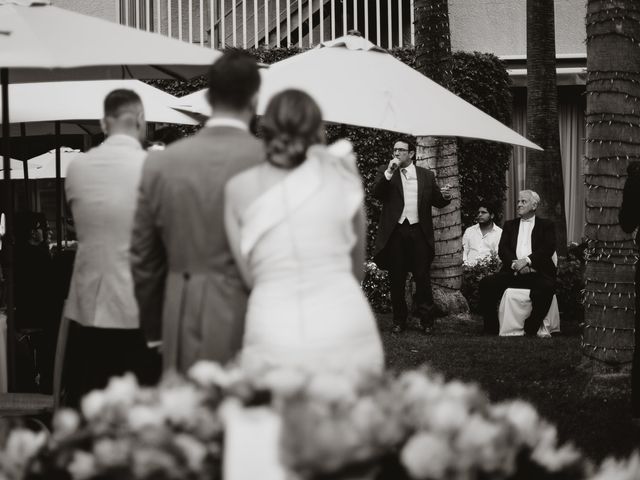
(409,252)
(542,288)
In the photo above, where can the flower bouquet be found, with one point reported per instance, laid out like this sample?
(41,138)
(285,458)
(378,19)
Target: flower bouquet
(412,425)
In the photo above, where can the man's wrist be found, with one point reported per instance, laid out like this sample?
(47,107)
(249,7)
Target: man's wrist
(388,174)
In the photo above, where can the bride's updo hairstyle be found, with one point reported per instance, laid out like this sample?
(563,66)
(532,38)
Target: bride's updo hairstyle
(290,125)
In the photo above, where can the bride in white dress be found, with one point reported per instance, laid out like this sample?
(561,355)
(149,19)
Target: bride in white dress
(296,226)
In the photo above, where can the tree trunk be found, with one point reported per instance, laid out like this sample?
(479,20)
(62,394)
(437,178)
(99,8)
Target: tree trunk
(544,169)
(433,51)
(613,138)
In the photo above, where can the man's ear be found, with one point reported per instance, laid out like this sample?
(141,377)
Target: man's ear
(412,154)
(254,103)
(103,125)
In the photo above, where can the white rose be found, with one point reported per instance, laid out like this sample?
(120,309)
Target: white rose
(66,422)
(143,416)
(82,465)
(427,456)
(446,416)
(283,381)
(179,404)
(122,390)
(92,404)
(417,388)
(193,450)
(206,374)
(612,469)
(547,453)
(523,417)
(484,444)
(150,461)
(111,453)
(332,388)
(22,445)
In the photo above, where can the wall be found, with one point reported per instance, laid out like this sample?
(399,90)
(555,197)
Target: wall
(105,9)
(499,26)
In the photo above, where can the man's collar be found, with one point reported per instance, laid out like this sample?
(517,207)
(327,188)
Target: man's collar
(227,122)
(411,168)
(122,138)
(529,220)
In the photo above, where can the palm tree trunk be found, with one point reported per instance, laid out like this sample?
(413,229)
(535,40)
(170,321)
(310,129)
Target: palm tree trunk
(433,51)
(613,138)
(544,169)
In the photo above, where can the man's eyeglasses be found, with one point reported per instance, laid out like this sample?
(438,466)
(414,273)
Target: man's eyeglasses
(400,149)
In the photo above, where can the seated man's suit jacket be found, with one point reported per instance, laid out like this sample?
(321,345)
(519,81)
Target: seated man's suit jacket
(543,246)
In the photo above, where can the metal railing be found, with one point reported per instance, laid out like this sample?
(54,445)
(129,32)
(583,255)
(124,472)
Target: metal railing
(272,23)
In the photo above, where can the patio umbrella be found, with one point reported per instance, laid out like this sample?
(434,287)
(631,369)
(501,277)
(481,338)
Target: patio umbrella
(17,171)
(44,166)
(49,102)
(83,100)
(39,42)
(357,83)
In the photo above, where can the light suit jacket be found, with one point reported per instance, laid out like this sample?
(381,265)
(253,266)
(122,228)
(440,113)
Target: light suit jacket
(188,287)
(101,187)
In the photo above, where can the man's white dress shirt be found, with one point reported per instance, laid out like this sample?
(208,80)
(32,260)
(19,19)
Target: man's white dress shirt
(476,245)
(523,247)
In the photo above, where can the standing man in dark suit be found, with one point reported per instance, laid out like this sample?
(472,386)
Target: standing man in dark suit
(629,217)
(526,250)
(188,288)
(405,231)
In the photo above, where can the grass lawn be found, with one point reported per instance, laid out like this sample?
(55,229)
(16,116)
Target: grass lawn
(542,371)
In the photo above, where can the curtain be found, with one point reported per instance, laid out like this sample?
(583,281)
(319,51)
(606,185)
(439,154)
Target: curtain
(572,134)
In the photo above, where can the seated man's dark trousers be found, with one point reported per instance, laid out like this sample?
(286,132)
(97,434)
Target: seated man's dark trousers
(492,287)
(409,252)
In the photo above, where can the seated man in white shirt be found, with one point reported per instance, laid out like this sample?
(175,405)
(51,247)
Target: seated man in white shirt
(481,240)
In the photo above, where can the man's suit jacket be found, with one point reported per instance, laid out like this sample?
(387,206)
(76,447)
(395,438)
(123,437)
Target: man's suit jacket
(543,245)
(391,194)
(188,287)
(102,187)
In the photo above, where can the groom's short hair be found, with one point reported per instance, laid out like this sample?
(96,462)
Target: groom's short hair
(233,80)
(120,100)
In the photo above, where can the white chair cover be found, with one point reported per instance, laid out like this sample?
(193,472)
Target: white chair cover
(515,308)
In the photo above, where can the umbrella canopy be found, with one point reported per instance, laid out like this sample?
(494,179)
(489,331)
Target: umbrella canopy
(83,100)
(44,166)
(357,83)
(65,45)
(17,169)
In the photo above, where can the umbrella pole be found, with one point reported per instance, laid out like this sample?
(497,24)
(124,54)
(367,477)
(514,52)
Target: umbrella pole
(25,169)
(58,191)
(7,241)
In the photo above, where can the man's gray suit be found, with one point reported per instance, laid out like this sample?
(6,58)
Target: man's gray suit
(188,288)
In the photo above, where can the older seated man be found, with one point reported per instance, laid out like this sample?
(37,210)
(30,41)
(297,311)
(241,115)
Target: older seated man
(481,240)
(526,250)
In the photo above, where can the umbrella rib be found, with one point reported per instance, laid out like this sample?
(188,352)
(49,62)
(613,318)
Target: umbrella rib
(168,72)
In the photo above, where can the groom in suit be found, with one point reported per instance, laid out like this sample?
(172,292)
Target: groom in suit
(405,231)
(189,290)
(526,250)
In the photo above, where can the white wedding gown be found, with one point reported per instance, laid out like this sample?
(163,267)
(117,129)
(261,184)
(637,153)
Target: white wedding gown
(306,308)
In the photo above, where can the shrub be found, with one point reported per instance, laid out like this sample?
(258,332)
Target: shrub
(377,288)
(570,284)
(471,277)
